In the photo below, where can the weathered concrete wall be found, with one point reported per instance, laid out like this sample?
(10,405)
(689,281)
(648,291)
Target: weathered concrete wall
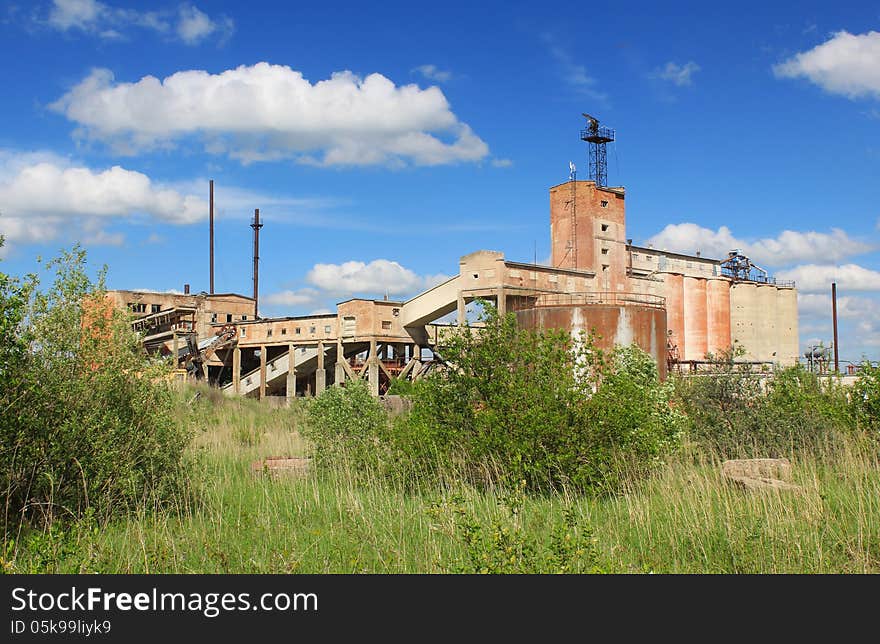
(765,323)
(743,310)
(788,342)
(624,325)
(718,315)
(600,231)
(695,319)
(674,294)
(220,308)
(651,259)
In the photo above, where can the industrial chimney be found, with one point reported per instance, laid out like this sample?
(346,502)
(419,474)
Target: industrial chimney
(211,236)
(256,225)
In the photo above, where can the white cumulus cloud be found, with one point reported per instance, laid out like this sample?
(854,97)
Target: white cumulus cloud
(187,22)
(268,112)
(378,277)
(788,247)
(331,282)
(858,322)
(43,195)
(680,75)
(434,73)
(817,278)
(299,297)
(194,26)
(846,64)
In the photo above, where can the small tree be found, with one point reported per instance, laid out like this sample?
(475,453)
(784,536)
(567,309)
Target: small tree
(86,419)
(866,399)
(538,406)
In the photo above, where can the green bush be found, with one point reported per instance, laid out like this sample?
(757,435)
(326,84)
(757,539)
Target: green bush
(735,413)
(512,405)
(503,545)
(87,421)
(866,400)
(347,425)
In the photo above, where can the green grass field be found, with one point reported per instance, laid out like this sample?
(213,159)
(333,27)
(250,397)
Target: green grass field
(685,519)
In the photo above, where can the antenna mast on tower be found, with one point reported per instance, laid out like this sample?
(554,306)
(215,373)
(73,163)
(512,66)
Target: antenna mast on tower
(572,242)
(597,137)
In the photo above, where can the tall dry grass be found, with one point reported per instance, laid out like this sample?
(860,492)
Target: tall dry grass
(685,519)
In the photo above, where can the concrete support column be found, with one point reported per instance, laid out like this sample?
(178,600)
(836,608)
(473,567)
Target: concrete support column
(461,310)
(262,371)
(340,370)
(415,354)
(291,372)
(174,349)
(373,369)
(501,300)
(320,372)
(236,370)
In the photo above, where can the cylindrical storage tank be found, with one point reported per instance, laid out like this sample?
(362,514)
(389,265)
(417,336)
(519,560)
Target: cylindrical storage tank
(768,348)
(718,315)
(743,309)
(695,320)
(612,324)
(674,294)
(787,326)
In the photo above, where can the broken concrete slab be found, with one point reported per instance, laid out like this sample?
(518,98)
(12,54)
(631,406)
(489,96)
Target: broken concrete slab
(759,474)
(276,465)
(757,468)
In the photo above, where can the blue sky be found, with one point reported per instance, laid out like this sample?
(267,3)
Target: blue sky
(383,141)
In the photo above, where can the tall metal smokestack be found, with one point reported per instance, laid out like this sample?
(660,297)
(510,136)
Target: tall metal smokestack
(256,225)
(211,236)
(834,324)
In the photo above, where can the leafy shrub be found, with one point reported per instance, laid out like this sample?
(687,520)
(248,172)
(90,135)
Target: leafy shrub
(866,399)
(346,424)
(733,412)
(512,405)
(504,546)
(87,418)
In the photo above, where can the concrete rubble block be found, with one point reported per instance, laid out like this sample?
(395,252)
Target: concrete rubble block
(395,405)
(278,465)
(759,474)
(774,468)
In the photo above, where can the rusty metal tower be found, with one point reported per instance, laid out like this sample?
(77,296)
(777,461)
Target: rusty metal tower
(597,137)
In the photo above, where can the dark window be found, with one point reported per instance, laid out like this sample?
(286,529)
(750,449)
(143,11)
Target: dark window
(311,329)
(386,324)
(284,331)
(244,317)
(604,204)
(213,317)
(604,228)
(229,317)
(155,308)
(269,333)
(298,330)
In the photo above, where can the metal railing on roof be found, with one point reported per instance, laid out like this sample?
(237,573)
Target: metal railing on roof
(614,298)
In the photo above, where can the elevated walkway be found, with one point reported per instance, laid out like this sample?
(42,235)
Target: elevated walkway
(306,363)
(432,304)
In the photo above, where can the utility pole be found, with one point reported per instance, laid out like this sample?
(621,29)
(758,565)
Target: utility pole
(834,323)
